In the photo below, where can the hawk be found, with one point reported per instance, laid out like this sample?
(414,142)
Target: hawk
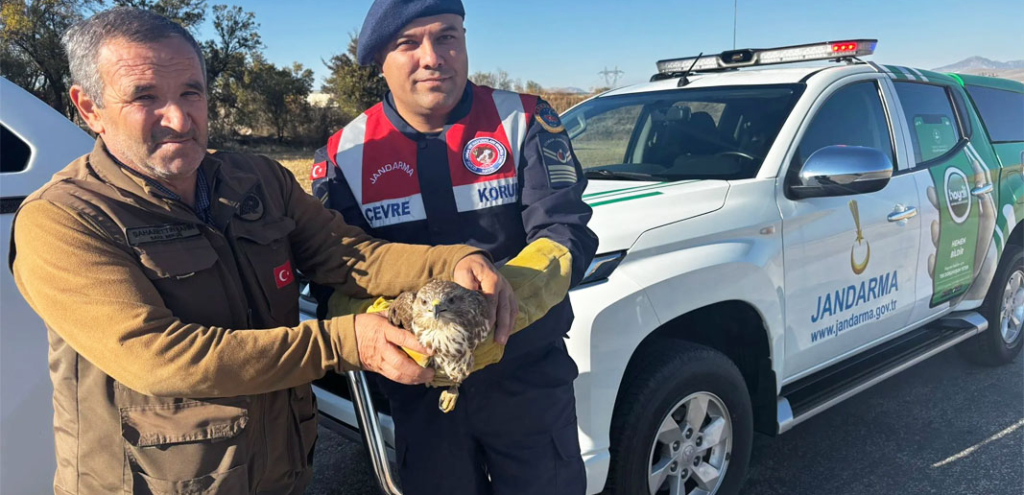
(450,321)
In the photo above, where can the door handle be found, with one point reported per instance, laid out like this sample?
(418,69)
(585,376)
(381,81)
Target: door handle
(907,213)
(978,191)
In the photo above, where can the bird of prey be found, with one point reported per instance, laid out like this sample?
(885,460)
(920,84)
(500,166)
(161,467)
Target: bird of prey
(450,321)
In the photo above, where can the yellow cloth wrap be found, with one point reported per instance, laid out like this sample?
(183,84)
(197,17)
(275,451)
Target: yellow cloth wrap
(539,276)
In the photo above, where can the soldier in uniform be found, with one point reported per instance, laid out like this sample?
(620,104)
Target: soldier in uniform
(165,276)
(443,161)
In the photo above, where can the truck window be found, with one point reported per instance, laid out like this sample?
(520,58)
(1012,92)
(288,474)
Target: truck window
(606,137)
(706,133)
(852,116)
(15,152)
(1001,111)
(929,113)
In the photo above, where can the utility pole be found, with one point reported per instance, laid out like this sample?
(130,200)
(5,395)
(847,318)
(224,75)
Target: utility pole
(734,13)
(611,77)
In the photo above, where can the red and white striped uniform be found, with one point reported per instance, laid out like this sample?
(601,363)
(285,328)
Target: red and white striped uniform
(379,162)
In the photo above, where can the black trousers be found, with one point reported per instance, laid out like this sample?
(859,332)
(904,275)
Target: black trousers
(513,432)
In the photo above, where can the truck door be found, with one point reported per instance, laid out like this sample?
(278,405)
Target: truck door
(956,189)
(850,261)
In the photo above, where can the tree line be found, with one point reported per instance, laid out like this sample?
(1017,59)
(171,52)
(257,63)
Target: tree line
(248,95)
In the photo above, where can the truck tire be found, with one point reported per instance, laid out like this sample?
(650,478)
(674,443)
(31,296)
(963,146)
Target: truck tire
(684,418)
(1004,310)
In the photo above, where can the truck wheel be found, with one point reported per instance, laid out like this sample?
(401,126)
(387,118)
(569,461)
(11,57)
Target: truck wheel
(1004,310)
(682,426)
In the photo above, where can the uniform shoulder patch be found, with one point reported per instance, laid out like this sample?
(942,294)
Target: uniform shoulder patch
(548,118)
(556,154)
(319,171)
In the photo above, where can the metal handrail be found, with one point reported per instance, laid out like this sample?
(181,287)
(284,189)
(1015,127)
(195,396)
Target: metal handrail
(369,423)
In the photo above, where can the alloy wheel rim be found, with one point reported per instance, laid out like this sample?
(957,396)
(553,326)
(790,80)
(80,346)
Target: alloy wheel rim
(1011,314)
(692,449)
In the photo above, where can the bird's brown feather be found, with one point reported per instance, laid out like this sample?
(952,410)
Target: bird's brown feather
(400,313)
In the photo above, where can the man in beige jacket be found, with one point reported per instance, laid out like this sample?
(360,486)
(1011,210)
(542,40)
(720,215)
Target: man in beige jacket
(166,278)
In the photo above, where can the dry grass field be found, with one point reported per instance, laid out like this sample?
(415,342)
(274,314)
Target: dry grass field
(298,160)
(299,165)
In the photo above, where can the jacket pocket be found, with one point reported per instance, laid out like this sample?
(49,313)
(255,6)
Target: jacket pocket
(176,259)
(234,481)
(187,447)
(304,415)
(268,250)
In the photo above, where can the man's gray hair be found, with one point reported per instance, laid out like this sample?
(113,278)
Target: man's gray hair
(83,41)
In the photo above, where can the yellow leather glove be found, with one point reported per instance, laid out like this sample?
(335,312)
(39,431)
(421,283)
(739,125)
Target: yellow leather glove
(539,276)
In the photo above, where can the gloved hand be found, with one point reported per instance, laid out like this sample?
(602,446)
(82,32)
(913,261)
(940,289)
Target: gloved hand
(539,275)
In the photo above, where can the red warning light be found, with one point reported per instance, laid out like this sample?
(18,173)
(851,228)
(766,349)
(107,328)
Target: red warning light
(844,47)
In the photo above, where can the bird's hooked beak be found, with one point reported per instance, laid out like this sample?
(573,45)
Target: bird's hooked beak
(438,309)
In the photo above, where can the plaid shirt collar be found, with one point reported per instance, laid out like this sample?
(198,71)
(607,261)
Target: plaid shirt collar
(202,206)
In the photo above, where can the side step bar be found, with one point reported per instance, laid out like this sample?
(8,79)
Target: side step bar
(369,423)
(810,396)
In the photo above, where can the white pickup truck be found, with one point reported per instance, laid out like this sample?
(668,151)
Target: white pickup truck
(772,242)
(35,142)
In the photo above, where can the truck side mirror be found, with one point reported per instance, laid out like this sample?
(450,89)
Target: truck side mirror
(842,171)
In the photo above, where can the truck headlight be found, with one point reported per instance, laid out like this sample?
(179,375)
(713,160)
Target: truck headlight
(602,266)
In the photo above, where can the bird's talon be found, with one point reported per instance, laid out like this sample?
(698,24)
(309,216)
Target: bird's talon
(447,401)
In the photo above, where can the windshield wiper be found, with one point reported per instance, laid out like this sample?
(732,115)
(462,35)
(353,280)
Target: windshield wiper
(619,175)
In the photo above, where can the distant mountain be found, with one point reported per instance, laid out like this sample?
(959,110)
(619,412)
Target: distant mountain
(572,90)
(973,64)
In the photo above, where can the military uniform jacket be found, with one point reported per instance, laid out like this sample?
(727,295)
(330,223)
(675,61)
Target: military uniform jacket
(151,311)
(500,175)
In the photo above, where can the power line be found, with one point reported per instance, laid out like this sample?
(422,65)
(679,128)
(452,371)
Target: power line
(611,77)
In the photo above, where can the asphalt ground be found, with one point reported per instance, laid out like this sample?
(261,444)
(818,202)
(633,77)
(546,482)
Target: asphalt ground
(941,427)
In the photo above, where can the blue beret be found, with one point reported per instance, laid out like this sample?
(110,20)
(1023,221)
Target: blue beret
(387,17)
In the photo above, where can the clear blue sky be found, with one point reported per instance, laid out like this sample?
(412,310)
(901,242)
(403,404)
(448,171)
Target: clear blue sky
(565,43)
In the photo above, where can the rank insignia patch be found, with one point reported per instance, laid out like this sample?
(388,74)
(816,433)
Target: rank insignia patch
(556,154)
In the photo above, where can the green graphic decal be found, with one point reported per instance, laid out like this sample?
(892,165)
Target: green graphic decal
(625,190)
(627,198)
(1011,191)
(956,235)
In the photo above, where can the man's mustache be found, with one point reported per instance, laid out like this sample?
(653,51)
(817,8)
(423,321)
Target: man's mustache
(161,135)
(434,74)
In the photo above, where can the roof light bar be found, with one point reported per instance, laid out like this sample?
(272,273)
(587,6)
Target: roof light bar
(831,50)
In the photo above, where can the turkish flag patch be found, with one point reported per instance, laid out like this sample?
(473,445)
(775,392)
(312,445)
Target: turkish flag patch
(319,171)
(283,275)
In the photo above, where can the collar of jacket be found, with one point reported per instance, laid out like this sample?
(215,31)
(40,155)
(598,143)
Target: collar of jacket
(229,184)
(461,109)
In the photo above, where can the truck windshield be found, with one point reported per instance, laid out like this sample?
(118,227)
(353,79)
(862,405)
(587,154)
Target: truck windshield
(707,133)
